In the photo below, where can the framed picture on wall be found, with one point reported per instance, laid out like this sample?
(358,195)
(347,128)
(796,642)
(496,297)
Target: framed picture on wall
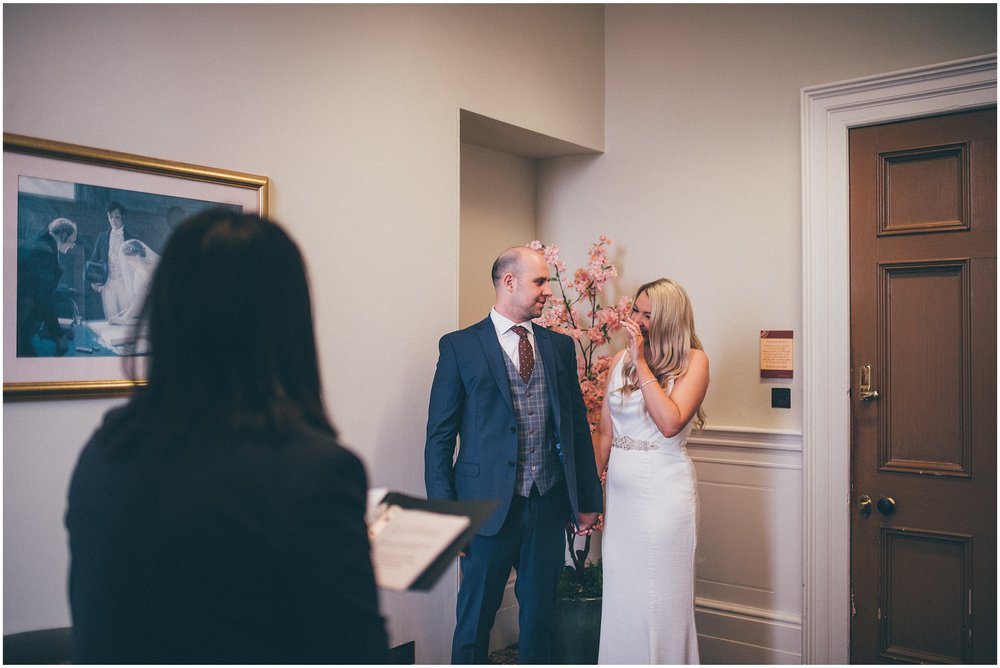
(83,229)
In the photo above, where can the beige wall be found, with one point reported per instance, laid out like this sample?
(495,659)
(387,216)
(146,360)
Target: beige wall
(353,113)
(700,178)
(700,181)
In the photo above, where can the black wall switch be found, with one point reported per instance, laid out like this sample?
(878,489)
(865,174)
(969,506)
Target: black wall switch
(781,397)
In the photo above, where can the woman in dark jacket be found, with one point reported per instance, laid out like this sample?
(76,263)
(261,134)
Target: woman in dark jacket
(215,518)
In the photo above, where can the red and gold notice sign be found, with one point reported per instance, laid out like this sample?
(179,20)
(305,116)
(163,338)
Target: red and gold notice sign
(777,356)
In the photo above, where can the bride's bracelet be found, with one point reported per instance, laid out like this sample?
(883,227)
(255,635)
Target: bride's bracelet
(651,380)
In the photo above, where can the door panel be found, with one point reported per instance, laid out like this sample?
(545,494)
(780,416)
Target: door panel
(925,190)
(926,316)
(923,320)
(928,622)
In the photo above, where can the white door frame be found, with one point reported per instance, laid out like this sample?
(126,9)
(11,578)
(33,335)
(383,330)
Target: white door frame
(828,112)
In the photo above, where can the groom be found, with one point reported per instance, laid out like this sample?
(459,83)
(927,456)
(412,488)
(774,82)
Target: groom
(509,391)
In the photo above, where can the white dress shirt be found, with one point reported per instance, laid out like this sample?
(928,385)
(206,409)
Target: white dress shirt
(114,252)
(509,339)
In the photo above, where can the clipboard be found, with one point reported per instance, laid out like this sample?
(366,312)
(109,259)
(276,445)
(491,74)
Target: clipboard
(475,512)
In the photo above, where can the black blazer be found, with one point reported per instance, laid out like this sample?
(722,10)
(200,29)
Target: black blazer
(213,551)
(38,274)
(102,245)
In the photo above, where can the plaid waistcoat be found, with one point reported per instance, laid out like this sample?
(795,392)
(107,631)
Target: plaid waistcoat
(537,459)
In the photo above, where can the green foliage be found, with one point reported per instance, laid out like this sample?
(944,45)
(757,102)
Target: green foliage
(586,582)
(581,578)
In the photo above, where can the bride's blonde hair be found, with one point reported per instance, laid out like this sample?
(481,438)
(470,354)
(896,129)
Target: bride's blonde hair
(669,338)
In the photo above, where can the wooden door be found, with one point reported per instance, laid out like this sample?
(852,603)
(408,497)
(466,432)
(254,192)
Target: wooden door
(923,427)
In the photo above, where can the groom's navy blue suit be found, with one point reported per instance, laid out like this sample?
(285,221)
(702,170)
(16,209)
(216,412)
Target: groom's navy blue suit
(472,399)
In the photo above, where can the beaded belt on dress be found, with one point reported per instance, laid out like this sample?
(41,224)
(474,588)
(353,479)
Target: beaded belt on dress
(629,443)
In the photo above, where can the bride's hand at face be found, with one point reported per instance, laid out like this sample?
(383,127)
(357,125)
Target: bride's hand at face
(635,341)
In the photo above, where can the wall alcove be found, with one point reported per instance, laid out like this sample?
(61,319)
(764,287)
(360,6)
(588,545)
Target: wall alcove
(498,199)
(498,208)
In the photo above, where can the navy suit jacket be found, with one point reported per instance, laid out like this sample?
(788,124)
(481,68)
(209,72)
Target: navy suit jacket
(471,400)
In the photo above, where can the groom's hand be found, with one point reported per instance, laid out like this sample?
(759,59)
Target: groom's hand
(585,523)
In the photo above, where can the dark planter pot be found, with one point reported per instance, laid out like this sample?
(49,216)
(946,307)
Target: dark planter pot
(576,631)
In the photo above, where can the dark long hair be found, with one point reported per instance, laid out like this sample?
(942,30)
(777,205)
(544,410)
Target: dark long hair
(229,324)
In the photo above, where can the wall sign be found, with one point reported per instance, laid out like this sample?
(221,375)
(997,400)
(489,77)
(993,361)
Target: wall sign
(776,353)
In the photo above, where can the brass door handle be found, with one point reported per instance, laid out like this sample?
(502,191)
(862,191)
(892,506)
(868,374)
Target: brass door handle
(865,505)
(865,391)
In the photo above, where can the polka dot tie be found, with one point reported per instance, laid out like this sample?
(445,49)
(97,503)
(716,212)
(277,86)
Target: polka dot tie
(525,354)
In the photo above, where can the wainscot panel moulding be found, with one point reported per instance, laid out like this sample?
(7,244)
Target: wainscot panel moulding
(708,604)
(742,437)
(740,636)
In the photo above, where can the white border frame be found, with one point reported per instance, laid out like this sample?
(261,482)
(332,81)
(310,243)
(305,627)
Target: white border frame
(828,112)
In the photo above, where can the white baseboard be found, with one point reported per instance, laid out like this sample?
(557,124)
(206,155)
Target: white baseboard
(733,634)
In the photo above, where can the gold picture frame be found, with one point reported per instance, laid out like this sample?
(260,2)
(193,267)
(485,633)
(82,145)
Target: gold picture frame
(45,180)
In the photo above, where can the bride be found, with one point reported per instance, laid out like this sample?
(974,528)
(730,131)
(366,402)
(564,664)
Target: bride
(138,262)
(652,402)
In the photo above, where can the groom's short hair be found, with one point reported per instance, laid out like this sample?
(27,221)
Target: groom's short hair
(509,260)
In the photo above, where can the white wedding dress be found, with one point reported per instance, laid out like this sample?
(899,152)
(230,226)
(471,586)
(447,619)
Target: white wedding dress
(649,541)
